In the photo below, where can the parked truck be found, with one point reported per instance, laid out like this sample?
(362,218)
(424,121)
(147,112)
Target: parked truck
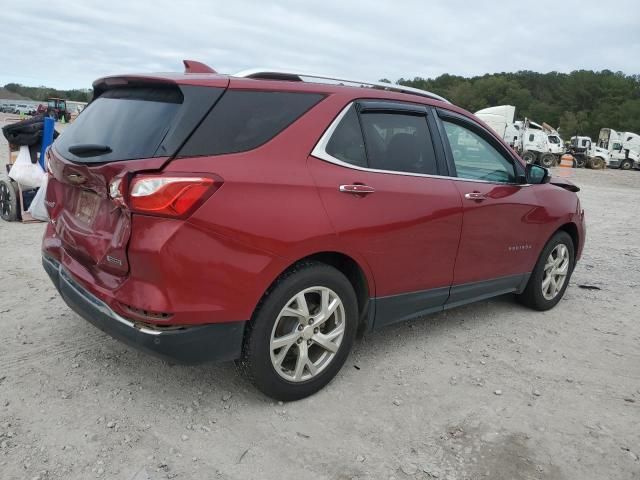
(536,143)
(613,150)
(581,148)
(618,149)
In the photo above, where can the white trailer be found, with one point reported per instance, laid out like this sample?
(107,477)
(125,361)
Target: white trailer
(536,143)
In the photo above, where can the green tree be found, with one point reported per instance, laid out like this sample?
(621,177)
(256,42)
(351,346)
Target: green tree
(579,102)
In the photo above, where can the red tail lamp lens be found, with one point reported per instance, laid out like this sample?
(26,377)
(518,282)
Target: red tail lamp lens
(168,196)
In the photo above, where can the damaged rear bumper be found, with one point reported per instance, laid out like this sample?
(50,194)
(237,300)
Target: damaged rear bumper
(180,344)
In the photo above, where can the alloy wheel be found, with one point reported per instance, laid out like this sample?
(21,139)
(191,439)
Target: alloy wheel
(556,270)
(307,334)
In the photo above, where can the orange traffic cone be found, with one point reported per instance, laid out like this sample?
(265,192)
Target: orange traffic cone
(566,162)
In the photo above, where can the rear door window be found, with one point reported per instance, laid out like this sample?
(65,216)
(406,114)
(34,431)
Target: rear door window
(244,119)
(399,142)
(132,122)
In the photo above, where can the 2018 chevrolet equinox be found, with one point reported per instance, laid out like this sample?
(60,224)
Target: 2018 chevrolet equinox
(267,217)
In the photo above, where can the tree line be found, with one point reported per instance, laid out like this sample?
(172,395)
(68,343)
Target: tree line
(42,93)
(580,102)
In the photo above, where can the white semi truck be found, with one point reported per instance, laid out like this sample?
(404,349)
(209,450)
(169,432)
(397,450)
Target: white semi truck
(618,149)
(536,143)
(582,150)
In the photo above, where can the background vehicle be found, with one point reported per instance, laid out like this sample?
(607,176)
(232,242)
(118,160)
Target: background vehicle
(539,144)
(266,219)
(9,108)
(23,109)
(581,149)
(57,109)
(618,149)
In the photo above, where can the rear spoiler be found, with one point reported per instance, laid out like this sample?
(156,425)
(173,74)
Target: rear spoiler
(107,83)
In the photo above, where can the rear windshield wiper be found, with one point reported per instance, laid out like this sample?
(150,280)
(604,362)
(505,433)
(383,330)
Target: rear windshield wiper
(89,149)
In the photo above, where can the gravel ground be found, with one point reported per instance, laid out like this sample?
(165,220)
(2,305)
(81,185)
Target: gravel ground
(491,390)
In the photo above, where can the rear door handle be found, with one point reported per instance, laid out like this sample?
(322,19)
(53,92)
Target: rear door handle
(357,188)
(475,196)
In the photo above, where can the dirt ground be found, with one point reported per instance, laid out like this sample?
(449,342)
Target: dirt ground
(491,390)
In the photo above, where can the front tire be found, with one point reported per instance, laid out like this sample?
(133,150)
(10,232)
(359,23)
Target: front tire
(301,332)
(529,157)
(626,164)
(548,160)
(598,163)
(550,276)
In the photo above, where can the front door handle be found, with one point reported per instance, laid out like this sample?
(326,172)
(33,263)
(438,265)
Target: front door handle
(475,196)
(357,188)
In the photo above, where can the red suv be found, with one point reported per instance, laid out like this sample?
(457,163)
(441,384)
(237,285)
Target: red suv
(268,217)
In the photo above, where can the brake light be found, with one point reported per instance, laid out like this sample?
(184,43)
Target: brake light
(174,196)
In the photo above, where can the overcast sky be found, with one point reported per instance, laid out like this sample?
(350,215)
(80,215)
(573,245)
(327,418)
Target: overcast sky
(67,44)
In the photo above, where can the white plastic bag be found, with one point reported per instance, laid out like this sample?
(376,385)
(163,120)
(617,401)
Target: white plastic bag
(27,174)
(38,209)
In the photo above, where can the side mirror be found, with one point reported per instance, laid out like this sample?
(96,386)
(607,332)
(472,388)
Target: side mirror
(535,174)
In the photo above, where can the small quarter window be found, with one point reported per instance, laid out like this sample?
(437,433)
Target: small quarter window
(346,143)
(243,120)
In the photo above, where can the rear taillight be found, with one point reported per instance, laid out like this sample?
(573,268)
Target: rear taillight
(173,196)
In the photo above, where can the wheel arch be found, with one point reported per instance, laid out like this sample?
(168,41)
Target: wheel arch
(360,279)
(572,229)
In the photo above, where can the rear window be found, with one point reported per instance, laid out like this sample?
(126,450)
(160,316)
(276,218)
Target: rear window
(244,119)
(132,122)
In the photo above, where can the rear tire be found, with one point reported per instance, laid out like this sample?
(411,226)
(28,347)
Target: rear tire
(8,201)
(315,339)
(551,275)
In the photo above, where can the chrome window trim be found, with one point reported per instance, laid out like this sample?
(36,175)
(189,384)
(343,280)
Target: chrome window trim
(320,152)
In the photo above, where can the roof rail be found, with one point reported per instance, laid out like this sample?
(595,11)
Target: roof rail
(274,74)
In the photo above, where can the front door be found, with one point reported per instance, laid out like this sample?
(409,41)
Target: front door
(501,235)
(384,204)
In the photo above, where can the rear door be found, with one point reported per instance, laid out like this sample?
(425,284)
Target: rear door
(377,170)
(501,234)
(134,127)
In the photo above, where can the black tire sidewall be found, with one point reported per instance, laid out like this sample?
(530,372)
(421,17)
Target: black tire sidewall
(533,292)
(625,165)
(528,155)
(12,192)
(256,361)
